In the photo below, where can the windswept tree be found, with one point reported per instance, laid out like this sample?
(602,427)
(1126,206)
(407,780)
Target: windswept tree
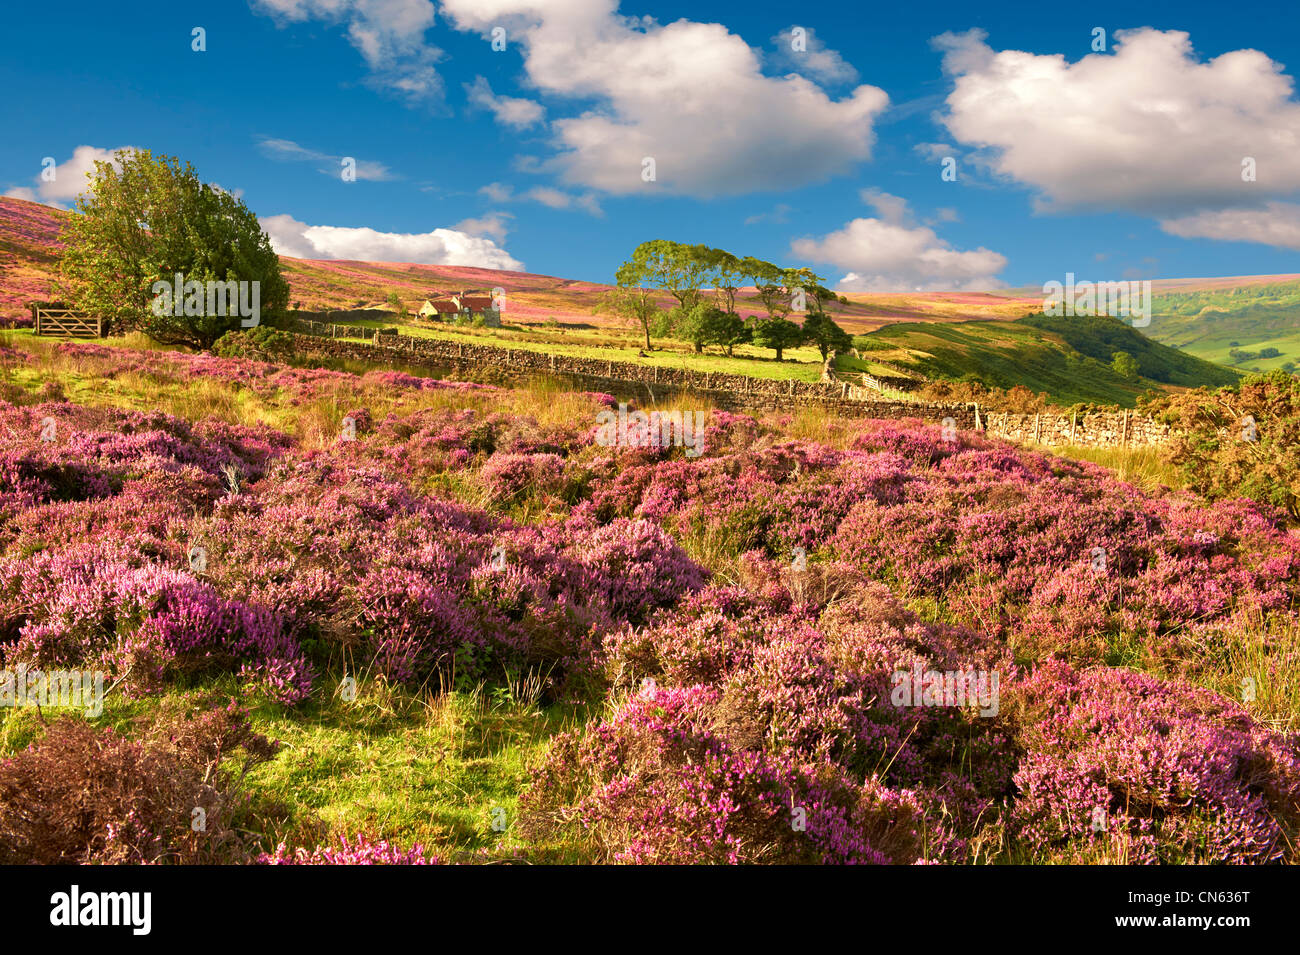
(631,300)
(678,269)
(145,220)
(728,277)
(769,281)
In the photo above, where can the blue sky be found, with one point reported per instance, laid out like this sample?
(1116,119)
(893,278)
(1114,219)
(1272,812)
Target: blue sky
(1126,163)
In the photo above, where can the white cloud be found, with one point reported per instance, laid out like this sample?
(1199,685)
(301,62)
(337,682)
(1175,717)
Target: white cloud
(548,196)
(690,95)
(815,60)
(1147,128)
(389,34)
(498,191)
(70,177)
(1277,224)
(493,224)
(512,111)
(286,150)
(890,254)
(439,247)
(558,199)
(936,152)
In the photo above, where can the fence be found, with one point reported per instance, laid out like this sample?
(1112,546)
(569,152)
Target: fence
(329,330)
(59,321)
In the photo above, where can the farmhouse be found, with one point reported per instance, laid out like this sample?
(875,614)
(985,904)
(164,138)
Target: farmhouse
(466,304)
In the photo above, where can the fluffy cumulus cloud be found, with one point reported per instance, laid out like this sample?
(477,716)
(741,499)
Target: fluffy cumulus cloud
(513,111)
(1148,128)
(1277,224)
(691,96)
(389,35)
(439,247)
(890,253)
(68,179)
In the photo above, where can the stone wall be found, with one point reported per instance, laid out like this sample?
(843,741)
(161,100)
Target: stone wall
(733,392)
(1110,429)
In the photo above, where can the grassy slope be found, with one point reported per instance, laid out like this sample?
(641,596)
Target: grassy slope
(1207,322)
(1069,358)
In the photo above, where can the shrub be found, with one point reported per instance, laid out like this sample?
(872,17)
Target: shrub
(261,343)
(173,794)
(1243,440)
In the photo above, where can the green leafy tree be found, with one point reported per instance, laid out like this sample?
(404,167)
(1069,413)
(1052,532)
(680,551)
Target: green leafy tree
(728,277)
(778,334)
(146,219)
(680,270)
(820,329)
(631,301)
(769,281)
(1124,364)
(729,330)
(816,295)
(707,324)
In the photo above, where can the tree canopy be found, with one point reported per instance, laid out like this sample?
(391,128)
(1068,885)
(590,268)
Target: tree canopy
(688,273)
(145,220)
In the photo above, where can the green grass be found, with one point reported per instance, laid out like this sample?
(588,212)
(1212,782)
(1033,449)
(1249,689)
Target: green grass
(434,768)
(606,344)
(1210,324)
(1068,358)
(1146,467)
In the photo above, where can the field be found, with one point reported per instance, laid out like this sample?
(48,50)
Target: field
(1068,358)
(439,621)
(1246,319)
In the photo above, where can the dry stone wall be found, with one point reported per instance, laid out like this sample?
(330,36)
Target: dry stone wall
(734,392)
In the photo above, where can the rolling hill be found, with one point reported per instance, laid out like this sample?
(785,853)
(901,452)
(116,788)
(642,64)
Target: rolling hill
(1069,358)
(29,244)
(1239,325)
(985,335)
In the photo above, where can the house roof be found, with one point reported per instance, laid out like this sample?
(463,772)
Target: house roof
(477,301)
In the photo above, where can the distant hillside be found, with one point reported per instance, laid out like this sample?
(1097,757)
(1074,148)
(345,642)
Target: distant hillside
(1068,358)
(29,249)
(1239,325)
(29,252)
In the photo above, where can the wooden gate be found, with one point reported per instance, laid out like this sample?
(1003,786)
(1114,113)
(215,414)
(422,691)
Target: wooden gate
(59,321)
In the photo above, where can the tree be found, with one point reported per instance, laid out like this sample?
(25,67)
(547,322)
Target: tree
(729,330)
(778,334)
(145,220)
(728,276)
(1243,440)
(707,324)
(631,300)
(769,281)
(1124,364)
(820,329)
(678,269)
(816,295)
